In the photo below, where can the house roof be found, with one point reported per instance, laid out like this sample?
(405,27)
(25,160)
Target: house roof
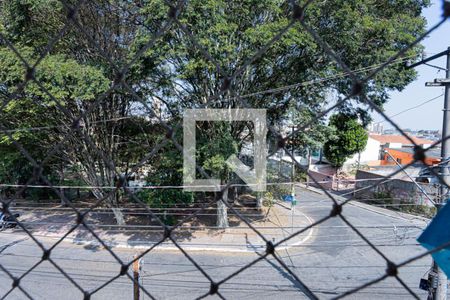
(395,138)
(433,153)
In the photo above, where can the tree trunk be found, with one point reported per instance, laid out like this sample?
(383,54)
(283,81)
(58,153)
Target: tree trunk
(116,210)
(279,166)
(118,215)
(222,213)
(259,200)
(61,183)
(112,203)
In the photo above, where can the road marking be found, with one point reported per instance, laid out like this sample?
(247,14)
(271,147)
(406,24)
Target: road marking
(307,237)
(9,245)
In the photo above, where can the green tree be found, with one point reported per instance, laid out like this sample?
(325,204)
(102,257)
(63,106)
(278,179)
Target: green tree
(349,138)
(232,31)
(32,117)
(215,145)
(166,170)
(76,75)
(176,72)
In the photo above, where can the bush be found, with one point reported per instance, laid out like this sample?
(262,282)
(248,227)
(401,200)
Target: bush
(278,190)
(166,199)
(268,200)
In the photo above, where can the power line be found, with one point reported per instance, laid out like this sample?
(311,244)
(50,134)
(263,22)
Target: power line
(152,187)
(413,107)
(66,125)
(315,81)
(269,91)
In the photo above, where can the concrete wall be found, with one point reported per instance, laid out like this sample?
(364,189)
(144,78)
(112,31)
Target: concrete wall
(400,190)
(325,181)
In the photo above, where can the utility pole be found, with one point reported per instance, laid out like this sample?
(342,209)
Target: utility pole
(437,278)
(293,167)
(293,201)
(441,290)
(136,278)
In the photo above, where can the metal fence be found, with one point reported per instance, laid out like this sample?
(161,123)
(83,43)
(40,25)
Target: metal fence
(173,10)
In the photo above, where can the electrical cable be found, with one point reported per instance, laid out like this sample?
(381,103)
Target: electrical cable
(411,108)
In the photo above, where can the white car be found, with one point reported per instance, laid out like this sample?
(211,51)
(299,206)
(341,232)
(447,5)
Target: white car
(7,221)
(431,174)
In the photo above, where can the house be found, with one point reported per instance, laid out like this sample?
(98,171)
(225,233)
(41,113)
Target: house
(405,156)
(401,149)
(381,151)
(370,155)
(396,141)
(398,146)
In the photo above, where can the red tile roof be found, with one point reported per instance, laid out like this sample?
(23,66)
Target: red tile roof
(393,138)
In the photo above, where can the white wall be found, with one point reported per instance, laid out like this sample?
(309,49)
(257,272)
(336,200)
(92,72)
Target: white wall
(393,145)
(370,153)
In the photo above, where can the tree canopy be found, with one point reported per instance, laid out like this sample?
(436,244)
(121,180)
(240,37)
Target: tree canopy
(349,137)
(209,45)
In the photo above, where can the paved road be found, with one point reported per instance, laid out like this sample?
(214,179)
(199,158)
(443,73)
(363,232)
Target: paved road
(334,260)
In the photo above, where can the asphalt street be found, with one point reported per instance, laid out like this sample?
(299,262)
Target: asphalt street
(333,260)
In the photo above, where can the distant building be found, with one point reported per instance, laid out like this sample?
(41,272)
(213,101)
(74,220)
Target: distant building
(375,128)
(401,149)
(389,131)
(374,153)
(399,141)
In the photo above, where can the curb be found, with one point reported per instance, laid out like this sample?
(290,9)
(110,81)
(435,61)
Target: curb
(383,211)
(388,213)
(150,244)
(162,247)
(310,188)
(378,210)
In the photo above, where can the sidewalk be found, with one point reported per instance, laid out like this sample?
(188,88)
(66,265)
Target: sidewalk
(379,210)
(241,238)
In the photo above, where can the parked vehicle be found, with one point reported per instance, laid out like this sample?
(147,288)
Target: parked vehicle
(7,221)
(430,174)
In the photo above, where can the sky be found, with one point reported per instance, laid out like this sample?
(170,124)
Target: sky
(428,116)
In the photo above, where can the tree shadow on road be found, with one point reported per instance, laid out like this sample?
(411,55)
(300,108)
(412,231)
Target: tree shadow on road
(55,220)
